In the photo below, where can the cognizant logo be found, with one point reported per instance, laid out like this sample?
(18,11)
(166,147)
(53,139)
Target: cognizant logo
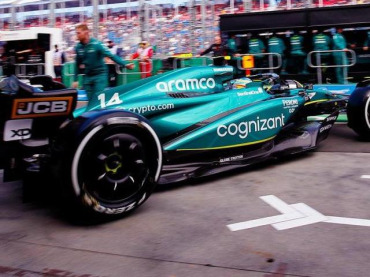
(244,128)
(186,85)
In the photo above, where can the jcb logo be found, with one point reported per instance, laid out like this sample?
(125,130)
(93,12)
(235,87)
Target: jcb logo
(41,107)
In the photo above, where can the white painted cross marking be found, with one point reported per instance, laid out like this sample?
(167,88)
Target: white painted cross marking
(292,216)
(310,216)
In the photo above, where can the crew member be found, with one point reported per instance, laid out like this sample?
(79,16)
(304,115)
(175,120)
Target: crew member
(112,73)
(231,46)
(256,46)
(90,55)
(340,58)
(144,53)
(297,55)
(58,61)
(367,42)
(219,52)
(321,42)
(276,45)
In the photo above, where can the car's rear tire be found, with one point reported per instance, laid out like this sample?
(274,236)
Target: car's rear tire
(358,112)
(107,164)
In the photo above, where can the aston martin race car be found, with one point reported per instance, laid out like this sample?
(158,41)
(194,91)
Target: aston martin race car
(108,156)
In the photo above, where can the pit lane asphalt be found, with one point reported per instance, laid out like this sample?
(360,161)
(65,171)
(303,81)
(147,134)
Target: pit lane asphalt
(182,230)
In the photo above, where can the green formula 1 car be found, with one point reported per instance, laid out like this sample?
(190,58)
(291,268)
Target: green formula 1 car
(187,123)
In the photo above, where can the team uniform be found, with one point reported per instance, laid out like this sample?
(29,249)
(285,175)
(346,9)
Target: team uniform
(340,58)
(90,62)
(367,41)
(298,61)
(231,46)
(256,46)
(322,42)
(276,45)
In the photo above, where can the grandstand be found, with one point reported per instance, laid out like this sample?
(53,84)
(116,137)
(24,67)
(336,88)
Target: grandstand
(173,27)
(177,26)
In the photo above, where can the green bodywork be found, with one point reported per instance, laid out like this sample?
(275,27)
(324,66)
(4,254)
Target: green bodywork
(195,108)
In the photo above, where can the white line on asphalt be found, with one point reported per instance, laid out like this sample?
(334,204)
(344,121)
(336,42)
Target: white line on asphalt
(278,204)
(365,176)
(312,216)
(263,221)
(292,216)
(348,221)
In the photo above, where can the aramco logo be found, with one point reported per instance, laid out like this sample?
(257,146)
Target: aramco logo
(186,85)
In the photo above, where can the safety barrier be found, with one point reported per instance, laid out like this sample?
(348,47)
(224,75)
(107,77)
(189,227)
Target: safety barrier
(142,69)
(270,65)
(125,76)
(181,62)
(319,66)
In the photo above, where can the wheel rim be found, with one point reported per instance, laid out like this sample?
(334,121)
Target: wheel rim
(113,169)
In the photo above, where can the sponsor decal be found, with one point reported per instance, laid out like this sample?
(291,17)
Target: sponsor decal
(244,128)
(341,91)
(41,107)
(17,129)
(327,127)
(290,103)
(102,209)
(114,100)
(230,159)
(186,85)
(251,92)
(151,108)
(223,69)
(331,118)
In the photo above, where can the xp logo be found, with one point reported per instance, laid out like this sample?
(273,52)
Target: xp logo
(18,129)
(41,107)
(21,133)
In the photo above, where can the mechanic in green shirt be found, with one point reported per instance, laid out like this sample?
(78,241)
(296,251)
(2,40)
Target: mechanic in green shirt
(367,42)
(231,45)
(256,46)
(340,58)
(297,55)
(90,55)
(276,45)
(322,42)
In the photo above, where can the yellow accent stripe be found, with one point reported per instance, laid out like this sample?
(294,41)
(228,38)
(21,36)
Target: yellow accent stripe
(313,102)
(229,146)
